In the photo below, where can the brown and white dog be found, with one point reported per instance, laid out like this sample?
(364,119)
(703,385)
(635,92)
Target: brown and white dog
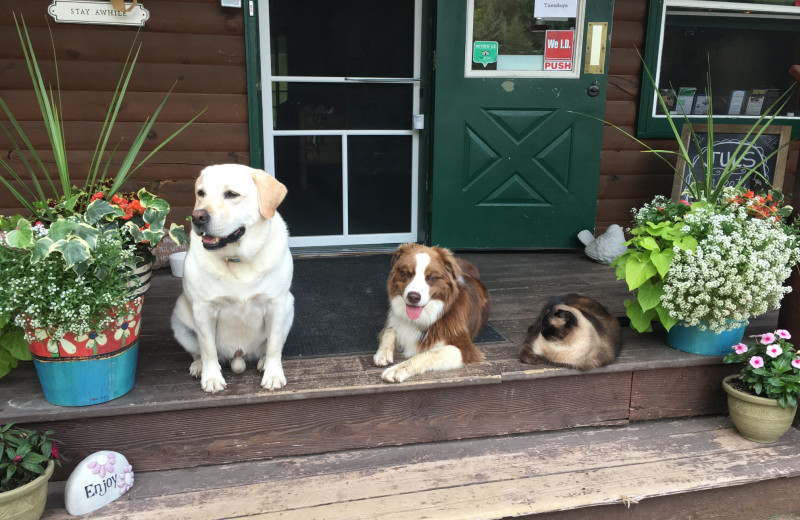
(437,307)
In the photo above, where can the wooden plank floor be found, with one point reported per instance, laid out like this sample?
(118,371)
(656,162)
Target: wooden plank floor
(620,469)
(340,403)
(519,284)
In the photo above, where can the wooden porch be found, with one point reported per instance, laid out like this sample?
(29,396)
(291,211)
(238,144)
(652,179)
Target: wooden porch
(495,440)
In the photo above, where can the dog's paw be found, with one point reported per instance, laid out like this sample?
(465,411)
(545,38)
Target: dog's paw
(273,378)
(273,381)
(396,374)
(211,378)
(196,368)
(213,384)
(382,359)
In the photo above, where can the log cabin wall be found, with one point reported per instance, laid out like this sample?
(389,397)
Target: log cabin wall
(201,46)
(196,44)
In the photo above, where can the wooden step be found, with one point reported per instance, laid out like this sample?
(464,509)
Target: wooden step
(668,469)
(340,403)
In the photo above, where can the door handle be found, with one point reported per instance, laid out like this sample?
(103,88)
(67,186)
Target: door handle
(593,90)
(383,80)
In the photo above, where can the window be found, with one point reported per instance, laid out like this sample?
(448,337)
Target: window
(523,38)
(746,48)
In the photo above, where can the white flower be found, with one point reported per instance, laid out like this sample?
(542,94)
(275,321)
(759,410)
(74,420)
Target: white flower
(737,270)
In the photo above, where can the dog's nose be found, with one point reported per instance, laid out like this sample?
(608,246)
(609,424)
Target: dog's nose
(413,298)
(200,217)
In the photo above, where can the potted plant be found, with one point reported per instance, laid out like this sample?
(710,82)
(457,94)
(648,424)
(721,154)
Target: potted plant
(704,272)
(27,460)
(762,398)
(692,265)
(68,285)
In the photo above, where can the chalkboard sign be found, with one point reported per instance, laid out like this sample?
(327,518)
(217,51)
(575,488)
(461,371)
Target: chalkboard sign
(726,139)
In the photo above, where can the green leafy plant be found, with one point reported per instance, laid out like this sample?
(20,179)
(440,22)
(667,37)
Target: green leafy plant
(24,455)
(708,265)
(644,266)
(13,347)
(58,279)
(770,367)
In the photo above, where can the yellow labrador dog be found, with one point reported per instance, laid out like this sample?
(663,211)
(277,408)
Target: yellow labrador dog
(236,303)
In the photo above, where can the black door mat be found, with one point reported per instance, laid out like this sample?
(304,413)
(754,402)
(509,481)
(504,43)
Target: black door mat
(341,305)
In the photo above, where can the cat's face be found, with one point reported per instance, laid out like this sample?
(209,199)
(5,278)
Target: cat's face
(557,323)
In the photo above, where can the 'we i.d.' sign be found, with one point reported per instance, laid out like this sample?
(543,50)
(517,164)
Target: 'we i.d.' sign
(558,50)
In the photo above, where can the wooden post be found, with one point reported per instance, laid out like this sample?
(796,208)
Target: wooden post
(789,315)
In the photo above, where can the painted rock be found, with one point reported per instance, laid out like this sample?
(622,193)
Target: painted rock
(99,479)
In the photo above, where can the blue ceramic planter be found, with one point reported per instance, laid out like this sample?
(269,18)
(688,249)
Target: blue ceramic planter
(81,382)
(703,342)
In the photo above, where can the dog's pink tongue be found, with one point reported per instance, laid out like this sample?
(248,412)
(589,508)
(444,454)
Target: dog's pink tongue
(413,312)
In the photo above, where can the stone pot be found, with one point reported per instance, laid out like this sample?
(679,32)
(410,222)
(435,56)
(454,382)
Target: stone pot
(26,502)
(759,419)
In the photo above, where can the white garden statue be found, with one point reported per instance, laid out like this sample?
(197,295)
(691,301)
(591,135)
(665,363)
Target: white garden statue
(605,248)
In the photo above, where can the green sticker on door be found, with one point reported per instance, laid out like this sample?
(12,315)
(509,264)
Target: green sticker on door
(484,52)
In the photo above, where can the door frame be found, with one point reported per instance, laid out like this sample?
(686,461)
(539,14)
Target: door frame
(265,137)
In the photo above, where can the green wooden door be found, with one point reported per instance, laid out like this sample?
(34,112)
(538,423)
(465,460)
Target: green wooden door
(515,163)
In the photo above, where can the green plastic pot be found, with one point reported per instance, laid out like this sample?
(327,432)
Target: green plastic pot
(26,502)
(758,419)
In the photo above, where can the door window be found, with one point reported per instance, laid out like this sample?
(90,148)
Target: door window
(343,91)
(521,38)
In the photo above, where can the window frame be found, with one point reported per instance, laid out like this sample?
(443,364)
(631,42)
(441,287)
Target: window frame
(650,125)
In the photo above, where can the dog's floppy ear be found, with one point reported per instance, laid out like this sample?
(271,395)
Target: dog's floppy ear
(400,250)
(270,192)
(449,261)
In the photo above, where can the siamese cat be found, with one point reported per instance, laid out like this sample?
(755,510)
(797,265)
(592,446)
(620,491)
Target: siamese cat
(574,331)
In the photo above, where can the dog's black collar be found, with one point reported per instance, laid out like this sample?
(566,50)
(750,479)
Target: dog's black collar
(222,242)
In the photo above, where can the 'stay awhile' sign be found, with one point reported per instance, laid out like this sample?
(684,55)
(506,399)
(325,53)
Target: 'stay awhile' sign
(97,12)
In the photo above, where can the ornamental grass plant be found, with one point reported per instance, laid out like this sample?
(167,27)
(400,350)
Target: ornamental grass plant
(67,265)
(720,259)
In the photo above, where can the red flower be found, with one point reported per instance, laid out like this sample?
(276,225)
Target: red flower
(54,451)
(17,459)
(749,194)
(98,195)
(116,199)
(136,207)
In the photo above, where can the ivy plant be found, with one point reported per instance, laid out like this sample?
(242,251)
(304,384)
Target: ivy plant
(645,264)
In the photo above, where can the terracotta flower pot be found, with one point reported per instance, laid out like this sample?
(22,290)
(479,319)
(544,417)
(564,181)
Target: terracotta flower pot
(759,419)
(26,502)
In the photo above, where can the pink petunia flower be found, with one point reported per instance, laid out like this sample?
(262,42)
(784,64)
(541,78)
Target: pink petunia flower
(767,339)
(783,334)
(796,362)
(774,351)
(756,362)
(740,348)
